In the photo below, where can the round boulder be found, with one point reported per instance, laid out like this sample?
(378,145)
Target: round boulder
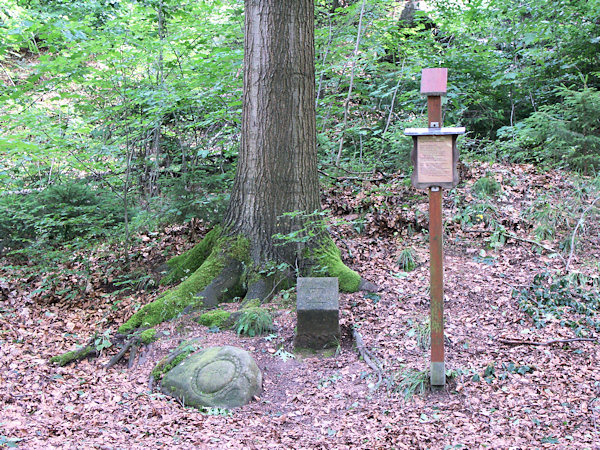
(224,377)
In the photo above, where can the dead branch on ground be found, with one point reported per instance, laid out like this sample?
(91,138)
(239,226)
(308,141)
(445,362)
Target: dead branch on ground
(367,356)
(551,342)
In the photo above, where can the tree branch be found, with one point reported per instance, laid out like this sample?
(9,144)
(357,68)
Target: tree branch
(554,341)
(367,356)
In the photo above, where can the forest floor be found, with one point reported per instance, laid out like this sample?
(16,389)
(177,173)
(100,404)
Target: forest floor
(498,395)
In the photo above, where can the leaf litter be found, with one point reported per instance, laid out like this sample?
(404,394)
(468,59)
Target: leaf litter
(497,395)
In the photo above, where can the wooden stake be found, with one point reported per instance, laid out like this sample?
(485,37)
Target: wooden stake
(436,258)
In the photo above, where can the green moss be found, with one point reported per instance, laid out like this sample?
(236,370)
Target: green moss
(329,258)
(251,303)
(148,336)
(238,248)
(164,366)
(183,351)
(214,318)
(74,355)
(187,263)
(173,302)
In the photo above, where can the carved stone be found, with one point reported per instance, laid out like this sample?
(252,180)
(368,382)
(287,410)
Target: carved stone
(224,377)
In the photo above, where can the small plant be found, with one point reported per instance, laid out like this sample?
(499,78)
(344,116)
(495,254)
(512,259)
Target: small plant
(486,187)
(412,382)
(549,296)
(498,237)
(406,260)
(286,298)
(216,411)
(325,382)
(102,341)
(254,321)
(284,355)
(132,282)
(477,213)
(504,371)
(421,331)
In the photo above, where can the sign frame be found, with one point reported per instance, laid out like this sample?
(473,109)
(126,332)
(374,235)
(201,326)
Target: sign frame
(417,133)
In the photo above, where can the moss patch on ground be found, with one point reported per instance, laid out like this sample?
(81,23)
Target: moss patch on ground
(214,318)
(148,336)
(329,258)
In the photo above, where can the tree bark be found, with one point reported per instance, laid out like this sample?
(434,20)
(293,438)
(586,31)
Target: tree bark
(277,165)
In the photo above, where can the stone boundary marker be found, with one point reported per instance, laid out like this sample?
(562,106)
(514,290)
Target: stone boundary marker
(317,307)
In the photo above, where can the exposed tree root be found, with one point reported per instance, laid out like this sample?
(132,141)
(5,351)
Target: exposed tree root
(86,351)
(225,286)
(115,359)
(371,360)
(133,344)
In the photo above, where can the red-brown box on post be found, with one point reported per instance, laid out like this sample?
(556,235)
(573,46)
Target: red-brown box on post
(434,81)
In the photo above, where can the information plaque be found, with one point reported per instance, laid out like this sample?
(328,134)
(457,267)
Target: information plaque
(434,156)
(434,159)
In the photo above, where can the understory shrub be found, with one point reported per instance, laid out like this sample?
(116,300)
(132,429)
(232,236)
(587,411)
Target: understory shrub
(565,134)
(62,212)
(254,321)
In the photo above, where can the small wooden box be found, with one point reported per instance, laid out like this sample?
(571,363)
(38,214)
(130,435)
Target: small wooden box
(434,156)
(434,81)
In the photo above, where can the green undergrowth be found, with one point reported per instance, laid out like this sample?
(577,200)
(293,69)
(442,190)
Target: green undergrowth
(329,261)
(253,321)
(411,382)
(173,302)
(551,298)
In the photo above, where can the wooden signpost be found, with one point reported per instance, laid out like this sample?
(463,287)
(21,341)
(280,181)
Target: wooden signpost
(435,158)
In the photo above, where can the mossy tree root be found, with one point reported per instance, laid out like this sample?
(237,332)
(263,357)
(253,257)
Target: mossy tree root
(182,266)
(217,279)
(86,351)
(217,270)
(139,339)
(329,258)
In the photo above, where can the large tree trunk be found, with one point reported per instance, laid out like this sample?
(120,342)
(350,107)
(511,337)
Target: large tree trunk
(276,174)
(277,166)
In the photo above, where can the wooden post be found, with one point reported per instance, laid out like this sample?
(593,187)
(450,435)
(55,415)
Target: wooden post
(436,274)
(435,156)
(436,247)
